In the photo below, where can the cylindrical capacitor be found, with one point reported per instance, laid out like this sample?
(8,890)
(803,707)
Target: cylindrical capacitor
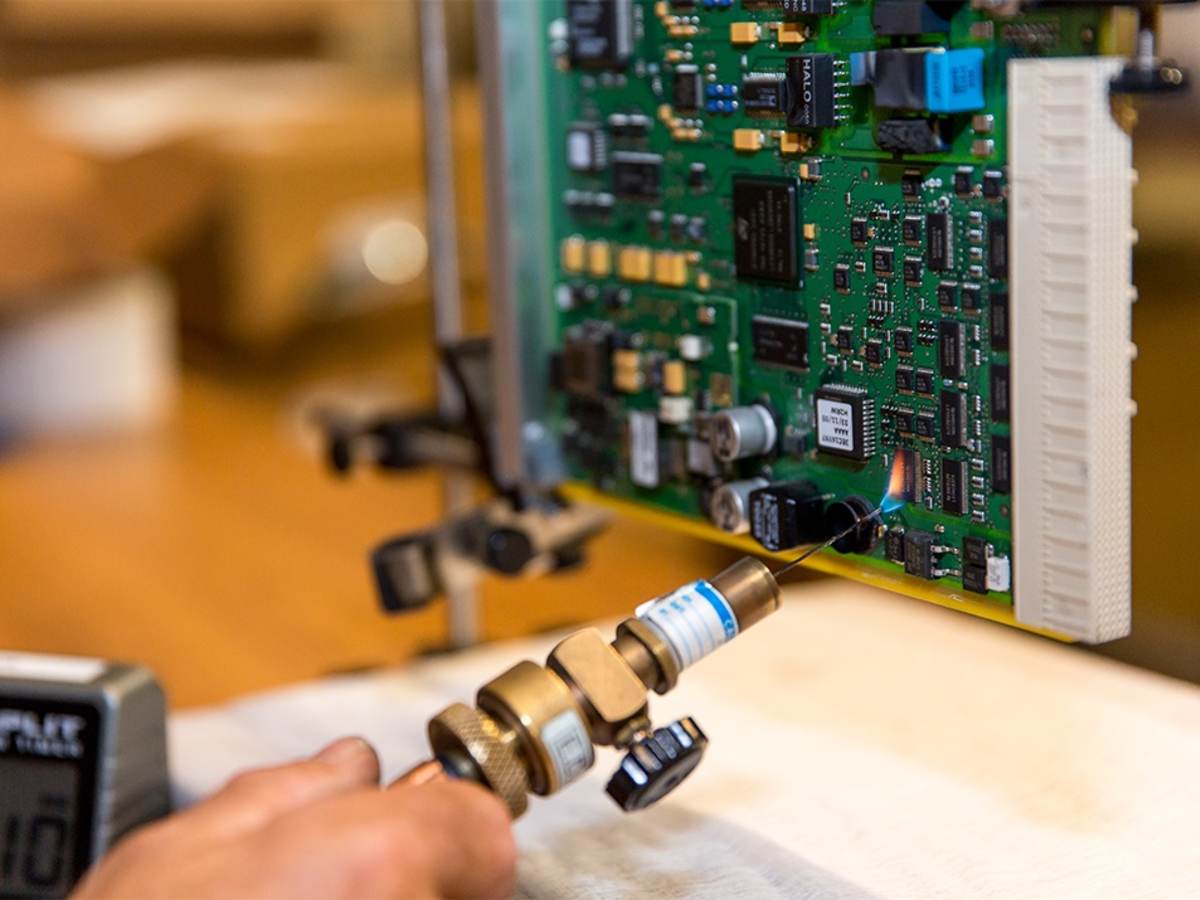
(742,432)
(729,507)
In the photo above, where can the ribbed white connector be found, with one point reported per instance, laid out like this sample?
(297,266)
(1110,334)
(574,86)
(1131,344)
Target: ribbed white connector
(1070,237)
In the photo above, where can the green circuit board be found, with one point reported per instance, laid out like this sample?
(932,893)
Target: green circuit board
(800,206)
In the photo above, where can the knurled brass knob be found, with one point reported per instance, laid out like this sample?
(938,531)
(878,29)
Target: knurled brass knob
(461,730)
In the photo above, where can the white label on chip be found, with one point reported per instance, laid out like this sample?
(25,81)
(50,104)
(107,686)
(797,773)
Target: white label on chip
(579,150)
(694,621)
(45,667)
(643,448)
(570,748)
(835,425)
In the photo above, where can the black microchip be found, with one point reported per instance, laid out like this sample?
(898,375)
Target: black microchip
(1000,393)
(947,295)
(904,421)
(600,33)
(963,186)
(911,229)
(974,551)
(972,298)
(687,88)
(974,579)
(874,352)
(893,545)
(764,96)
(697,176)
(810,91)
(883,261)
(845,419)
(904,378)
(586,367)
(992,185)
(779,341)
(951,348)
(997,238)
(841,277)
(939,248)
(913,270)
(844,339)
(858,231)
(918,554)
(806,7)
(925,425)
(923,382)
(954,419)
(637,176)
(765,241)
(954,486)
(902,340)
(998,320)
(1001,464)
(786,515)
(910,185)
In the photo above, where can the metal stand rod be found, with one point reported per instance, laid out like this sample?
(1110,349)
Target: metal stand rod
(441,224)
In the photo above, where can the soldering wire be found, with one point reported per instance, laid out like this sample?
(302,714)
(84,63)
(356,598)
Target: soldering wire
(817,548)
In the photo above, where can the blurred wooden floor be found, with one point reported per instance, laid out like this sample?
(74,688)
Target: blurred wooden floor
(221,554)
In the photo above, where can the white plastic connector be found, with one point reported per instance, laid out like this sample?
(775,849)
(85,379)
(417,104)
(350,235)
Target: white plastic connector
(1070,213)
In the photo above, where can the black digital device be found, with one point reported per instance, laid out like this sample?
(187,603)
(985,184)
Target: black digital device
(82,761)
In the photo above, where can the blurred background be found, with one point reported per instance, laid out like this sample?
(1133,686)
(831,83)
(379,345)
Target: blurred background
(212,224)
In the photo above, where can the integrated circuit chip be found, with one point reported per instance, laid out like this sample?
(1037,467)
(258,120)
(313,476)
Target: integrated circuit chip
(687,88)
(939,247)
(951,348)
(845,420)
(637,176)
(998,320)
(765,238)
(954,495)
(954,419)
(1001,464)
(600,33)
(1000,393)
(763,95)
(779,342)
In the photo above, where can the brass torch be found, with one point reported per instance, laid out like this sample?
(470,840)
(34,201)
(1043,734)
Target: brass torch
(533,728)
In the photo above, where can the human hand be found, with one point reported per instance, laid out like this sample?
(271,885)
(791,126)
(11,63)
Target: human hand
(322,828)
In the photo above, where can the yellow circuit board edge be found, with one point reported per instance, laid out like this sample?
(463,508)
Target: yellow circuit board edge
(829,562)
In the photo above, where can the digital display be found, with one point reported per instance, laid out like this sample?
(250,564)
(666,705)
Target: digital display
(37,826)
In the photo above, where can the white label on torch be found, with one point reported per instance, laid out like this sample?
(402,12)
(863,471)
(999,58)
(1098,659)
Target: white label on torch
(694,621)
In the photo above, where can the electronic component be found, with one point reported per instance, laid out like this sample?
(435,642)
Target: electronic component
(763,95)
(810,91)
(904,378)
(742,432)
(729,505)
(765,217)
(918,553)
(953,406)
(1001,464)
(997,236)
(951,348)
(893,545)
(998,320)
(974,551)
(687,88)
(924,426)
(923,79)
(636,176)
(923,382)
(600,33)
(586,360)
(1000,392)
(974,578)
(902,340)
(643,449)
(939,241)
(586,148)
(883,261)
(845,421)
(972,298)
(841,515)
(954,486)
(787,515)
(910,18)
(780,342)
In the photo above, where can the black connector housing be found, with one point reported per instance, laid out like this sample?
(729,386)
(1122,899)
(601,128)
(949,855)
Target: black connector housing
(787,515)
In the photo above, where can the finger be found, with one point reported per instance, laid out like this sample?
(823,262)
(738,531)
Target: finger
(443,839)
(421,773)
(254,798)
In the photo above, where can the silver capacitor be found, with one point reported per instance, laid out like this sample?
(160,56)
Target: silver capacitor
(729,507)
(742,432)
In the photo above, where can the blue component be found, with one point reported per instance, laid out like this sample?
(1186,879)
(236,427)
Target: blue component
(954,81)
(713,106)
(713,90)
